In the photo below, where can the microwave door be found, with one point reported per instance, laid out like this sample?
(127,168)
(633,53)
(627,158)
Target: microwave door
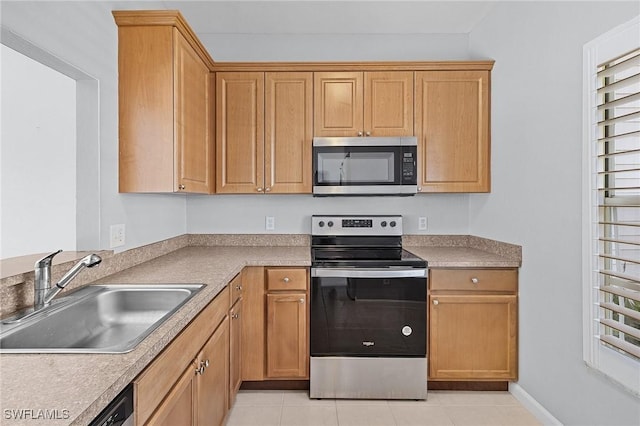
(356,167)
(359,170)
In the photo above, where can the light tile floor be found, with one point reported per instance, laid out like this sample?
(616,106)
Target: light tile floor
(294,408)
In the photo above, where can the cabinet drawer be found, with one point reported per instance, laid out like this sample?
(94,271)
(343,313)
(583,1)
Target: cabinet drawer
(236,289)
(286,279)
(505,280)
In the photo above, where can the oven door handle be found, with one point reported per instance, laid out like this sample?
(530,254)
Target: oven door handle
(369,272)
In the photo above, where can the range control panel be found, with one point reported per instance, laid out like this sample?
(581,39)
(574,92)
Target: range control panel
(356,225)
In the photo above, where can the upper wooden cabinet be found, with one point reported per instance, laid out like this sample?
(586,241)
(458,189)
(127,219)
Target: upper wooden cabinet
(239,132)
(452,126)
(264,132)
(376,103)
(165,105)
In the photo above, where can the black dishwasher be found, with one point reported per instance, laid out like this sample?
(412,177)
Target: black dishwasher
(119,412)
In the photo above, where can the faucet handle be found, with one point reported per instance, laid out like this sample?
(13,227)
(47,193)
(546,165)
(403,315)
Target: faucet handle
(46,261)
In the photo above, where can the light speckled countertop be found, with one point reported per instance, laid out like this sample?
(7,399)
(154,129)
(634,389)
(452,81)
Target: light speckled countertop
(76,387)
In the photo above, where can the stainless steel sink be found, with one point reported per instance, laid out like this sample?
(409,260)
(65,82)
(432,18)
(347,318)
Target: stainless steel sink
(96,319)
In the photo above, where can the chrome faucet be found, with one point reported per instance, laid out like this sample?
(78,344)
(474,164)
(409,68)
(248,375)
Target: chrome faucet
(43,292)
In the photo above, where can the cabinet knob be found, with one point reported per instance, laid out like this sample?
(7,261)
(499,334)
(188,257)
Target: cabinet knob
(301,300)
(181,187)
(260,189)
(359,133)
(235,316)
(206,364)
(267,189)
(435,302)
(419,189)
(286,279)
(368,134)
(475,280)
(239,287)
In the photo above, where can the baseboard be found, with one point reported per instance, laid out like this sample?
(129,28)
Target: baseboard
(540,413)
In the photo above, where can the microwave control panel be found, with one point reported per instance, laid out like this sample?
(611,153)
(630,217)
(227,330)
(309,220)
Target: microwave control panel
(409,167)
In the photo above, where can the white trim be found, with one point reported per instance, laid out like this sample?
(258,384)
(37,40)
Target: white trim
(530,403)
(615,366)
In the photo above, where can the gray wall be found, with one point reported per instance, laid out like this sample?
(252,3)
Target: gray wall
(536,195)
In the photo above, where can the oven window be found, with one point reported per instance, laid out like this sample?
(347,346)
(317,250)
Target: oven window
(344,166)
(368,317)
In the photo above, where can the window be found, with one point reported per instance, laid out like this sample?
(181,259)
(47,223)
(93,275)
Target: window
(612,225)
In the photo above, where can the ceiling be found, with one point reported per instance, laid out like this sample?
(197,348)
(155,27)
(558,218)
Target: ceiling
(325,17)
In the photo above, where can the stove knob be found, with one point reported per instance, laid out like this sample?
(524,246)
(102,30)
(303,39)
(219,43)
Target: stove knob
(321,224)
(393,224)
(330,224)
(383,224)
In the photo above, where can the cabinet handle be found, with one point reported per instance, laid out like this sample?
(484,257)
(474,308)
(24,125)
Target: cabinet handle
(206,364)
(200,369)
(435,302)
(359,133)
(235,316)
(368,134)
(239,287)
(180,186)
(419,189)
(286,279)
(475,280)
(260,189)
(267,189)
(301,300)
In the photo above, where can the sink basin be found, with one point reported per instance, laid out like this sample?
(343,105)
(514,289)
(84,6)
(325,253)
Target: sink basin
(96,319)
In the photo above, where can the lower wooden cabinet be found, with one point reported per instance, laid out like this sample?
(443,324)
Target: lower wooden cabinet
(179,407)
(213,378)
(275,328)
(473,325)
(188,383)
(235,350)
(287,351)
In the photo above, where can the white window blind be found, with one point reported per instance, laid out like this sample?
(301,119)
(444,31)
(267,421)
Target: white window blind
(618,198)
(611,218)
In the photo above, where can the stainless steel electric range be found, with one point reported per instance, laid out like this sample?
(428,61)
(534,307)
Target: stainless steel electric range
(368,310)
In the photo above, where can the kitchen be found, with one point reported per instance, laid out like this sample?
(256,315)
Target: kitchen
(515,211)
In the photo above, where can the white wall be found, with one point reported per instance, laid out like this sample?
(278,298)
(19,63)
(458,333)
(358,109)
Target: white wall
(536,195)
(38,192)
(245,214)
(84,35)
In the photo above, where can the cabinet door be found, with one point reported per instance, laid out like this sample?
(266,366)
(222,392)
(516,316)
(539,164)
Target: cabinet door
(473,337)
(194,142)
(146,109)
(287,349)
(235,351)
(388,103)
(452,125)
(253,327)
(178,408)
(288,132)
(239,132)
(213,382)
(338,103)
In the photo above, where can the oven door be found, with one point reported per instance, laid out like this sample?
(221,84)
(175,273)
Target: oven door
(365,166)
(368,312)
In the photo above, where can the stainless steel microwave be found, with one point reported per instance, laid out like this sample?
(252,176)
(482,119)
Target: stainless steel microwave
(364,166)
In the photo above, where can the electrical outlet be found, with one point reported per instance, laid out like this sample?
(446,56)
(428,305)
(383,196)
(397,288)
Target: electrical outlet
(117,235)
(270,223)
(422,223)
